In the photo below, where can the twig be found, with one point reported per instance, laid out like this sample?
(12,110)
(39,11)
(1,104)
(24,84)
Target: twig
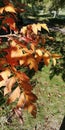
(10,35)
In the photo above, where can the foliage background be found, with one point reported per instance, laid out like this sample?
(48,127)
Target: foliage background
(51,93)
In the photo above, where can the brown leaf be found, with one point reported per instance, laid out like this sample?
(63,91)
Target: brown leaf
(32,109)
(1,78)
(56,56)
(30,97)
(21,76)
(26,86)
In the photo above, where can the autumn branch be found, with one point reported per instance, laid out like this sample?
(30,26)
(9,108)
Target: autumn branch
(10,35)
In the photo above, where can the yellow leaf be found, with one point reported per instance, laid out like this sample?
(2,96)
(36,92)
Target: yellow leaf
(39,26)
(16,53)
(44,26)
(10,8)
(5,74)
(23,30)
(39,52)
(14,95)
(34,28)
(21,101)
(54,61)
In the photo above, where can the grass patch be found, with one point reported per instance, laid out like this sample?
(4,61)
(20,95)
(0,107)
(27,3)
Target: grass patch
(51,102)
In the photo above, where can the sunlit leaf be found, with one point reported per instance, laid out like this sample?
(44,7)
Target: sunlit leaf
(21,101)
(34,28)
(14,95)
(54,61)
(9,84)
(44,26)
(23,30)
(10,8)
(39,52)
(32,64)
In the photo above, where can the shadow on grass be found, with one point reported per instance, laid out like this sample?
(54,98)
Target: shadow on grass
(63,124)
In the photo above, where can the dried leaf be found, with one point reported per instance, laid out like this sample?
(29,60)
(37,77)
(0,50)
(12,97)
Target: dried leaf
(21,101)
(30,97)
(39,52)
(14,95)
(34,28)
(46,58)
(32,109)
(9,84)
(5,74)
(39,27)
(32,63)
(56,56)
(10,8)
(23,30)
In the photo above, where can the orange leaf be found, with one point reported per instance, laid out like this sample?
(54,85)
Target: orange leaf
(39,52)
(56,56)
(14,95)
(26,85)
(30,97)
(10,8)
(1,10)
(21,101)
(32,109)
(46,58)
(22,76)
(11,22)
(32,63)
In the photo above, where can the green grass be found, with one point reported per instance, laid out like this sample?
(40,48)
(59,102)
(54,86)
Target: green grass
(51,103)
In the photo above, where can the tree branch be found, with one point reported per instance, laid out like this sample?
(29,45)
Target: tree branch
(10,35)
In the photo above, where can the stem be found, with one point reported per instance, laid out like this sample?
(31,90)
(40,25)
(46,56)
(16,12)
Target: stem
(10,35)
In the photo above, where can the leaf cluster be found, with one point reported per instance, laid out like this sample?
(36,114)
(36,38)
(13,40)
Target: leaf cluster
(23,48)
